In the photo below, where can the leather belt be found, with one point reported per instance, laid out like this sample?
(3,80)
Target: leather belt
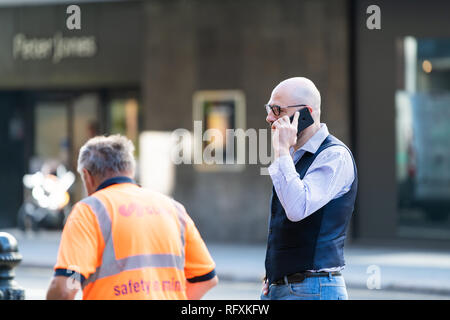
(299,277)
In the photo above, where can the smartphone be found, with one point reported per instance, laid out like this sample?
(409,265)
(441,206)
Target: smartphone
(304,120)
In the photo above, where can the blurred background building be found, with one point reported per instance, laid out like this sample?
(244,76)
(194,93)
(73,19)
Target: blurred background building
(142,68)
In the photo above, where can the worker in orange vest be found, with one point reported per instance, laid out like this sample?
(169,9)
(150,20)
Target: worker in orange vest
(124,241)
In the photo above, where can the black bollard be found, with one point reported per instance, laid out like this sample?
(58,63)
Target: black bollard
(9,259)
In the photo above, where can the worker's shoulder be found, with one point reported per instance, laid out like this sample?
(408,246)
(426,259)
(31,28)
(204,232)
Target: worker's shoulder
(83,210)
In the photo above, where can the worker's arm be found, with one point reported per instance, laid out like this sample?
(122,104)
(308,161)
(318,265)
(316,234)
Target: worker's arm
(196,290)
(63,288)
(78,253)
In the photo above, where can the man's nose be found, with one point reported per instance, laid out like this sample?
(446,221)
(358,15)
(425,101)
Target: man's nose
(270,117)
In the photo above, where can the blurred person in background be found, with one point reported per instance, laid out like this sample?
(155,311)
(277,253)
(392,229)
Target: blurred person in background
(126,242)
(315,183)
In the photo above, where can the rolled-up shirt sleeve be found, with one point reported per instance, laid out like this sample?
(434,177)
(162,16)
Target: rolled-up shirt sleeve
(330,175)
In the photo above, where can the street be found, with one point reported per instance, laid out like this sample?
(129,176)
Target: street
(35,281)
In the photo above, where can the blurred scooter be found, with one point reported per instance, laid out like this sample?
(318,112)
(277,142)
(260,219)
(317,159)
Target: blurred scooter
(47,205)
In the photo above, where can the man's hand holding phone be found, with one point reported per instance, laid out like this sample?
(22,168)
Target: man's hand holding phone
(284,134)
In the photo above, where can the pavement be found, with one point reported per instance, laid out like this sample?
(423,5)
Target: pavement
(368,267)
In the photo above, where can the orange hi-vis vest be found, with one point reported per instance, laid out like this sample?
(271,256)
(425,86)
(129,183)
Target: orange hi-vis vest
(127,242)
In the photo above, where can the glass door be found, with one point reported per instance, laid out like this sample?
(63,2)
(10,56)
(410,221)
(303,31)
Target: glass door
(51,139)
(64,121)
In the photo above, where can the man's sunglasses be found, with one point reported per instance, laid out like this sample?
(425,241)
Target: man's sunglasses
(277,109)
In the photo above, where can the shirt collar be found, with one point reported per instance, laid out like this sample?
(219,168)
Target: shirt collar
(313,144)
(115,180)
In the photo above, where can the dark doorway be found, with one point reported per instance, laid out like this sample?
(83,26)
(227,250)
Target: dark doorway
(44,129)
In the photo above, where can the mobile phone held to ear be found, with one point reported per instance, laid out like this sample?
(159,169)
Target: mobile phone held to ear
(304,120)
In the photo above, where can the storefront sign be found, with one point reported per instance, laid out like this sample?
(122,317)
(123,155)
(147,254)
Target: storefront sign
(55,48)
(39,50)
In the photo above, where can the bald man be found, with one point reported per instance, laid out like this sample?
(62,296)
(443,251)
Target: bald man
(315,182)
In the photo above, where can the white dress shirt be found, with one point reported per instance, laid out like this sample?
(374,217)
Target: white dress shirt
(329,177)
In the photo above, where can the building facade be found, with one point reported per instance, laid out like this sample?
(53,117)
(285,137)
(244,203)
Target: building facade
(137,66)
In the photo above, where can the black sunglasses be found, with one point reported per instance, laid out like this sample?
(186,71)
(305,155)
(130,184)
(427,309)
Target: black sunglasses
(277,109)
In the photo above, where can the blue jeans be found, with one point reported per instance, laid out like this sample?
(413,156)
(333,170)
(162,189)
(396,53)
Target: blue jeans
(312,288)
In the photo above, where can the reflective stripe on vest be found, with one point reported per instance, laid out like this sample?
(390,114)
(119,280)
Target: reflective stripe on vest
(111,266)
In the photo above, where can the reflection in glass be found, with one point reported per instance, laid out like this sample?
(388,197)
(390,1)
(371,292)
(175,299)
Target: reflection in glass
(423,138)
(51,128)
(124,118)
(218,117)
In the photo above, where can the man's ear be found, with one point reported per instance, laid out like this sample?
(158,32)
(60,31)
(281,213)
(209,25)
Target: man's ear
(89,181)
(87,177)
(84,174)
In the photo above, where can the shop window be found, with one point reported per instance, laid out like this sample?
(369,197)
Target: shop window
(217,115)
(423,137)
(51,138)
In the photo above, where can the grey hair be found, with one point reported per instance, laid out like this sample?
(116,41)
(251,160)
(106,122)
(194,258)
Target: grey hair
(103,156)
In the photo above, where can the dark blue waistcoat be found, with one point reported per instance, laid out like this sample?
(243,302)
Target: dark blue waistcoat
(315,242)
